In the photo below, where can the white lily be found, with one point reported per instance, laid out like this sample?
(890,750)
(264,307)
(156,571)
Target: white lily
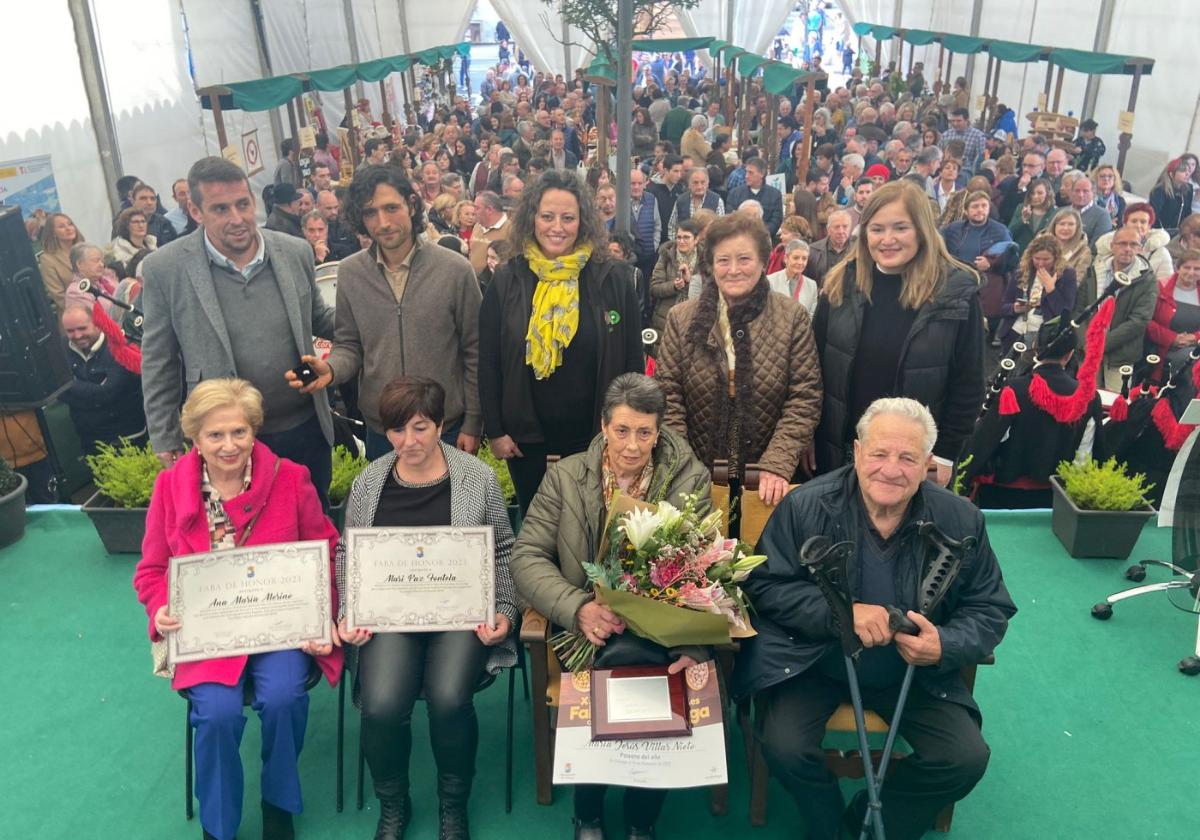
(639,526)
(668,514)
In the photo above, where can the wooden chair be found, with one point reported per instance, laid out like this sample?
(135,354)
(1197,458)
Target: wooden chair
(842,763)
(544,673)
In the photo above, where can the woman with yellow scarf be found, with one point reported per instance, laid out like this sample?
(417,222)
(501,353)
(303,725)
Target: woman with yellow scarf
(558,323)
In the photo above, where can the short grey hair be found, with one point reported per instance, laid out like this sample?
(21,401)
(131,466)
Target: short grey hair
(752,206)
(452,178)
(313,216)
(81,250)
(796,245)
(636,391)
(854,159)
(699,122)
(899,407)
(929,156)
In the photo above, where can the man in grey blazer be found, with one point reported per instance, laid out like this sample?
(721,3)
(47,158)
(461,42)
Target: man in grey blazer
(233,300)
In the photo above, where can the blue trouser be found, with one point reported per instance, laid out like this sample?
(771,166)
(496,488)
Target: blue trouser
(282,705)
(378,445)
(306,445)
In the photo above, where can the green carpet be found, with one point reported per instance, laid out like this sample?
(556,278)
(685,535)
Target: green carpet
(1090,725)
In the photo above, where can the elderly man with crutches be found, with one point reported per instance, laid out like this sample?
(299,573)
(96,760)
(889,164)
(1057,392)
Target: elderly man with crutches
(826,634)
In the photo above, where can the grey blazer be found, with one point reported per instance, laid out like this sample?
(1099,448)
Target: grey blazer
(186,340)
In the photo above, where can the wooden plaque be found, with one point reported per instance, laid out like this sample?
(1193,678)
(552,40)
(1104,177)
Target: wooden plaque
(638,702)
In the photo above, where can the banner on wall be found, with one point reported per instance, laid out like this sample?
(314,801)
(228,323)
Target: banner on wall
(28,183)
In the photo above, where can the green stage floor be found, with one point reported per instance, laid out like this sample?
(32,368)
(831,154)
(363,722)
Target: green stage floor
(1093,731)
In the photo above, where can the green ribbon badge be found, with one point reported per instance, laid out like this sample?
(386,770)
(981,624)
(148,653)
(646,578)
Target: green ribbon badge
(614,317)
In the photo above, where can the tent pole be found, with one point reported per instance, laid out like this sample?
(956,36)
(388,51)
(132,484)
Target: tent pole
(92,68)
(566,37)
(1100,44)
(264,64)
(976,17)
(412,79)
(766,135)
(1049,81)
(912,53)
(352,37)
(602,123)
(937,84)
(1058,88)
(624,111)
(878,58)
(1127,137)
(384,116)
(730,72)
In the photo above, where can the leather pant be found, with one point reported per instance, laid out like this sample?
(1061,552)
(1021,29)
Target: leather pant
(395,669)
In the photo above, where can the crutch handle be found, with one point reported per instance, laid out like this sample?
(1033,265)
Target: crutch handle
(898,622)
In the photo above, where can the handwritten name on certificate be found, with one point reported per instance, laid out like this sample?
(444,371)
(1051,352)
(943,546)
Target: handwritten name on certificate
(420,579)
(255,599)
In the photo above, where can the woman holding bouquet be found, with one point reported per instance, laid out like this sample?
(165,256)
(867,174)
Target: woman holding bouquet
(636,455)
(738,365)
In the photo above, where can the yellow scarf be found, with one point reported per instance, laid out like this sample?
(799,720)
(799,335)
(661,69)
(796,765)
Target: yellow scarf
(555,317)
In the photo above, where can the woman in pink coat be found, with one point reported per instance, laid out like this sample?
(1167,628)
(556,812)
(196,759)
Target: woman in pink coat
(231,490)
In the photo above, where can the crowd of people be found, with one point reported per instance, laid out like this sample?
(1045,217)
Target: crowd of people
(838,333)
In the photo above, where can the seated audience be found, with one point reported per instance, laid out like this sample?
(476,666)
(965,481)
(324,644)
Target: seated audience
(105,397)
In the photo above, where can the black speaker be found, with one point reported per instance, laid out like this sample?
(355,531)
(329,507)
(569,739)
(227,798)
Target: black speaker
(33,367)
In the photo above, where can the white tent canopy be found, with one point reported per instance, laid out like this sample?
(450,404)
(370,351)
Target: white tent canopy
(155,54)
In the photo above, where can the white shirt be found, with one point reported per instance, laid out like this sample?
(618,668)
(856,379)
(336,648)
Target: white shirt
(251,268)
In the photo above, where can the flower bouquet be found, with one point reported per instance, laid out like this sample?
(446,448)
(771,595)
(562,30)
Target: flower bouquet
(671,577)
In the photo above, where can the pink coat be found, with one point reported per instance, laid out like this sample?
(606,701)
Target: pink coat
(176,525)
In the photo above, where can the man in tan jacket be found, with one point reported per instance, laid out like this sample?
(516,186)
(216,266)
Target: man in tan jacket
(491,225)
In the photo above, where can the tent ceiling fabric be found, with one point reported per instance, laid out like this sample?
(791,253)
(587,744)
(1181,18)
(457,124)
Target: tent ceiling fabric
(1082,61)
(537,29)
(755,22)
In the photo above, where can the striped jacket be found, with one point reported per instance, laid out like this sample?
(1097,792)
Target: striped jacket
(475,500)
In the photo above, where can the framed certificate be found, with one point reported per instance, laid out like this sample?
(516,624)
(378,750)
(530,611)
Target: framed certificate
(248,600)
(420,579)
(638,702)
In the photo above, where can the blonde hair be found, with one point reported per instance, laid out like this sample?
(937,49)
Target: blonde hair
(212,394)
(923,275)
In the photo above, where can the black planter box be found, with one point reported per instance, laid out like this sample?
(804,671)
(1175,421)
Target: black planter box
(337,514)
(514,518)
(1095,533)
(12,514)
(120,529)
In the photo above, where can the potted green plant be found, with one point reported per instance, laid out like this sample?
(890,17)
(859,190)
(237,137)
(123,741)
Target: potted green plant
(500,468)
(346,467)
(1099,509)
(12,504)
(124,478)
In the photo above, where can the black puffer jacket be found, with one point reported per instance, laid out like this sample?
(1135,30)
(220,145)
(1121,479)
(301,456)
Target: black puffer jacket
(795,624)
(941,364)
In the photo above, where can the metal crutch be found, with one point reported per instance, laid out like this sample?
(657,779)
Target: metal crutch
(826,562)
(944,559)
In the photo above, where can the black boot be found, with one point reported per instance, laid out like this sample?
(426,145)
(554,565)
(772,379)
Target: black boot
(588,829)
(395,809)
(453,793)
(277,823)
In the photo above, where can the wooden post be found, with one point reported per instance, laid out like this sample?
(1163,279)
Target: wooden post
(992,100)
(352,132)
(810,97)
(878,58)
(937,84)
(384,116)
(987,85)
(1049,79)
(602,123)
(743,117)
(291,109)
(767,140)
(912,53)
(218,118)
(1058,88)
(301,113)
(730,75)
(1126,138)
(947,86)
